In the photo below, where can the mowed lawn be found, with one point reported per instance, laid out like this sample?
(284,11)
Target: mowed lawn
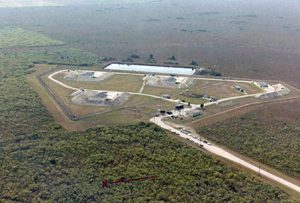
(136,109)
(64,95)
(194,93)
(19,37)
(160,91)
(221,89)
(117,82)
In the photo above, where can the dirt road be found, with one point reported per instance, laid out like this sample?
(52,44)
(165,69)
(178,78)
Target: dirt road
(225,154)
(143,86)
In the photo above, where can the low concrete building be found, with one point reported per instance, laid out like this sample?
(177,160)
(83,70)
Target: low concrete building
(238,88)
(263,84)
(194,113)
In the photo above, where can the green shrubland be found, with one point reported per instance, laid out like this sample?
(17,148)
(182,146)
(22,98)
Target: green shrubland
(18,37)
(276,144)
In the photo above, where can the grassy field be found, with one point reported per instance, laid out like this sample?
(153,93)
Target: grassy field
(133,111)
(194,93)
(18,37)
(160,91)
(136,109)
(65,96)
(122,83)
(175,93)
(136,112)
(221,89)
(269,134)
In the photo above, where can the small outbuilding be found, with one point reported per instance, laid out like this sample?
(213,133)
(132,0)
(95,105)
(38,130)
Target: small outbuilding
(194,113)
(263,84)
(238,88)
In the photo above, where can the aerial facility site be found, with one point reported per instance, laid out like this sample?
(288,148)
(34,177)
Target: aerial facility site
(150,101)
(147,91)
(175,98)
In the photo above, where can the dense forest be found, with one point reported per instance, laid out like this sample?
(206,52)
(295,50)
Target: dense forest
(40,161)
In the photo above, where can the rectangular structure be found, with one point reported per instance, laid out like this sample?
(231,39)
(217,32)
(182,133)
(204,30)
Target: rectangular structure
(152,69)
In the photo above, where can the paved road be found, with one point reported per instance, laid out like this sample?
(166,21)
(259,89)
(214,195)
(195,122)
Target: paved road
(225,154)
(172,100)
(144,83)
(132,93)
(60,83)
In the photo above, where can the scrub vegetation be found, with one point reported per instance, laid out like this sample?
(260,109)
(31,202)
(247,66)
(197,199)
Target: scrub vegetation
(18,37)
(40,161)
(275,143)
(48,56)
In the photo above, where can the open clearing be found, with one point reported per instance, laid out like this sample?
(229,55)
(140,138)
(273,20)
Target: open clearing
(90,92)
(110,82)
(84,103)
